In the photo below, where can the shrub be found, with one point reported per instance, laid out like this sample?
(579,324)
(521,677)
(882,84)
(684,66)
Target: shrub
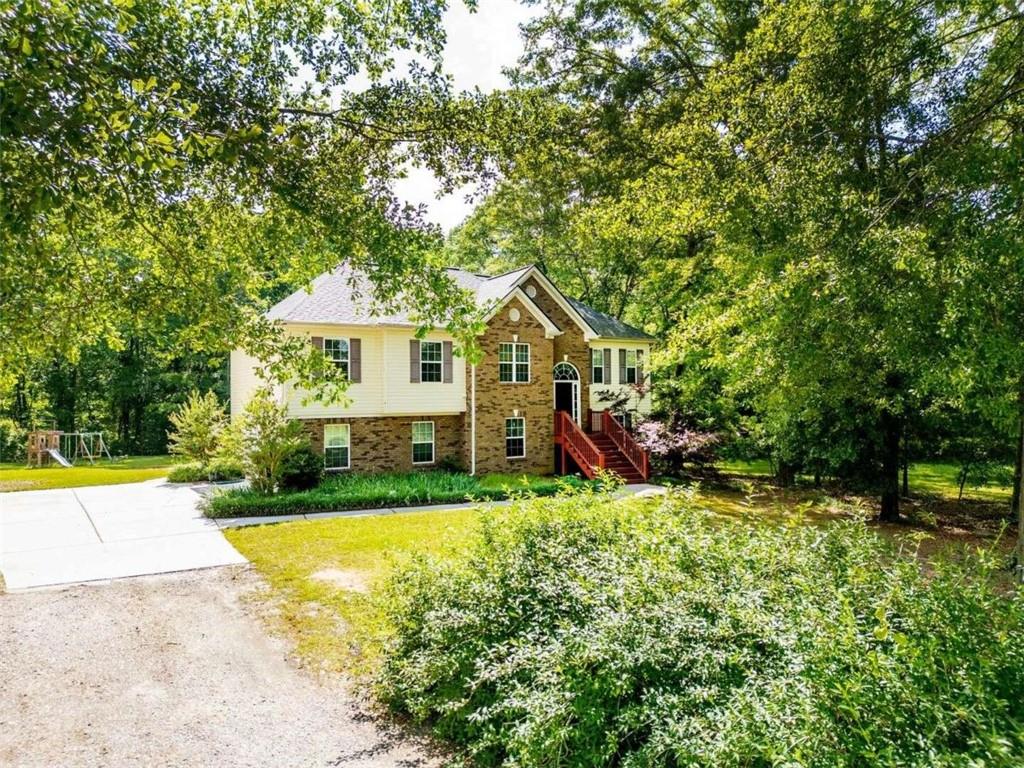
(190,472)
(355,491)
(673,444)
(13,440)
(584,633)
(197,425)
(302,469)
(230,445)
(194,472)
(224,469)
(268,438)
(452,464)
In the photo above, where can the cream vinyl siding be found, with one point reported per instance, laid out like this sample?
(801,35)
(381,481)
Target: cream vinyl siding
(612,374)
(244,380)
(385,389)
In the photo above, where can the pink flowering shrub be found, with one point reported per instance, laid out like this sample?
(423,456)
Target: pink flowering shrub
(673,445)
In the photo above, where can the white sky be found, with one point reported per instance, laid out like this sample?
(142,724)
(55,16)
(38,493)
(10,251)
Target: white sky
(479,45)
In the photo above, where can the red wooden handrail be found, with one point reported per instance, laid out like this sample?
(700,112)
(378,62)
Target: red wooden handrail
(624,441)
(575,440)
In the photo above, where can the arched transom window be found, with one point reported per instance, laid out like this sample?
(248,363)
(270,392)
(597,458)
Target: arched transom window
(566,372)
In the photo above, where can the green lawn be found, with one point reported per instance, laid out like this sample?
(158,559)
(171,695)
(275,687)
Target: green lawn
(924,477)
(131,469)
(331,617)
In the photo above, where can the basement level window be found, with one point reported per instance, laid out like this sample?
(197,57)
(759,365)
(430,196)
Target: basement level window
(515,438)
(423,442)
(336,446)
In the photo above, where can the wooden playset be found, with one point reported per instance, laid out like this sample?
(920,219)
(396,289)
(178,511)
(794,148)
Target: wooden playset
(64,448)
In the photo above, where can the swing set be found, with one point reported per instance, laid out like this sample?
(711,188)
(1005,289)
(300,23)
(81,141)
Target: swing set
(65,448)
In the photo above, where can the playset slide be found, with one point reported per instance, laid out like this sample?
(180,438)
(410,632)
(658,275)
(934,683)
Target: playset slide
(58,457)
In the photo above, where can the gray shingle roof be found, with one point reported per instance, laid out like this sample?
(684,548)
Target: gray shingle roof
(344,296)
(606,325)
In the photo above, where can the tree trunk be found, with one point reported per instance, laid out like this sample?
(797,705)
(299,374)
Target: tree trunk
(786,474)
(1017,501)
(906,472)
(891,431)
(965,472)
(1018,469)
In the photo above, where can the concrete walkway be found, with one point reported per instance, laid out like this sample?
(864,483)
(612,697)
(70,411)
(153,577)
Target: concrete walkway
(73,535)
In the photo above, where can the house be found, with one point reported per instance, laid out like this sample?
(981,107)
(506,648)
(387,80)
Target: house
(537,402)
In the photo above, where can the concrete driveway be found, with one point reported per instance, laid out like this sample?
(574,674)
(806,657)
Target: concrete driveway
(73,535)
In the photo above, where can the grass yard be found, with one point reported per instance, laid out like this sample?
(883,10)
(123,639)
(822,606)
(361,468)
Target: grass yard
(354,491)
(321,575)
(131,469)
(924,478)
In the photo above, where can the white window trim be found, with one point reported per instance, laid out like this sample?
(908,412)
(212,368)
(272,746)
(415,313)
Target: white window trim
(348,445)
(348,348)
(593,368)
(507,420)
(433,442)
(440,362)
(515,364)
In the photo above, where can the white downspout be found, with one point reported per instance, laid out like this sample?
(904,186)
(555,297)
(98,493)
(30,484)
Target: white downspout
(472,420)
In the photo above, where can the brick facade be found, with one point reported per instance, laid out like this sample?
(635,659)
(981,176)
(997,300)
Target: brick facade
(384,444)
(496,401)
(571,345)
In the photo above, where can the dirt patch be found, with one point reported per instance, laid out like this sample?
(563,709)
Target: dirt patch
(16,485)
(173,670)
(348,579)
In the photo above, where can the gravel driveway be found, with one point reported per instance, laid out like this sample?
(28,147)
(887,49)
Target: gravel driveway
(171,671)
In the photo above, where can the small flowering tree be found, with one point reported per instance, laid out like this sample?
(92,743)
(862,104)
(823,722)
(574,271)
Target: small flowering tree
(673,444)
(268,439)
(196,427)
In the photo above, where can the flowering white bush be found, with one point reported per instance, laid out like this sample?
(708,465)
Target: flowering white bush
(589,632)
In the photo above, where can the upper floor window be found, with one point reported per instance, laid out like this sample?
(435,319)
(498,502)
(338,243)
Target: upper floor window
(597,364)
(630,367)
(422,442)
(336,446)
(514,363)
(337,351)
(515,438)
(430,361)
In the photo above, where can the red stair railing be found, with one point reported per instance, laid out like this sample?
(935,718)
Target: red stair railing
(624,441)
(576,443)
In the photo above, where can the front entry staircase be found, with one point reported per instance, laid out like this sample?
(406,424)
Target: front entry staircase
(612,449)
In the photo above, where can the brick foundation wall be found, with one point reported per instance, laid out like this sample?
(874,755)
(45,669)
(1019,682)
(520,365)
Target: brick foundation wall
(384,444)
(496,401)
